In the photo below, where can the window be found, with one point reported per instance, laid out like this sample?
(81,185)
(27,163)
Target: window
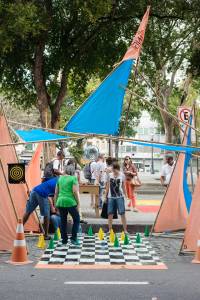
(128,148)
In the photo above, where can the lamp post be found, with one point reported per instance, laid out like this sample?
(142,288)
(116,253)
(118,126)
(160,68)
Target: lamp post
(152,162)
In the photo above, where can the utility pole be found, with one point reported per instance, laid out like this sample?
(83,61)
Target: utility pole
(152,162)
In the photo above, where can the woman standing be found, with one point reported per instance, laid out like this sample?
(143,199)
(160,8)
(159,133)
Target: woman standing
(68,201)
(130,171)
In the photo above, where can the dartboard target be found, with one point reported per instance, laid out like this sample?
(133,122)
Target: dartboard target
(16,173)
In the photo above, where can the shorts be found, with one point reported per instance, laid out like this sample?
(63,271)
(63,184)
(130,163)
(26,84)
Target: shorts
(92,181)
(116,203)
(34,200)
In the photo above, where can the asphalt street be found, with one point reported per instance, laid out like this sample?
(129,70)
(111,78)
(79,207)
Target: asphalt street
(180,281)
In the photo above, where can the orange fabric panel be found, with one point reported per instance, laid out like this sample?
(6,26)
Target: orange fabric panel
(133,51)
(8,220)
(173,212)
(192,233)
(33,173)
(18,191)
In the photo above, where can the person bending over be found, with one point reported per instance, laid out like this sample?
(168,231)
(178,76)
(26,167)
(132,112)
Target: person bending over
(115,193)
(39,196)
(67,200)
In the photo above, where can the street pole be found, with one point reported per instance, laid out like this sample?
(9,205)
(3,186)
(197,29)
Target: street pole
(152,162)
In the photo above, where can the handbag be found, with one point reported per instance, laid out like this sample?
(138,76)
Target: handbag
(135,181)
(104,212)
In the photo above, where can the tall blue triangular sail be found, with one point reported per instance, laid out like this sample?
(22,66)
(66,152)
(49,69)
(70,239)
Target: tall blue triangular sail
(102,110)
(188,156)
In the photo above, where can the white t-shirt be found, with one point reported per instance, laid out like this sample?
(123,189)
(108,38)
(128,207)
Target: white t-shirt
(115,185)
(166,172)
(93,169)
(100,171)
(58,165)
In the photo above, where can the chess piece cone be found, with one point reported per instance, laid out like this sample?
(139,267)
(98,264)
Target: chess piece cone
(112,237)
(196,259)
(116,242)
(112,232)
(55,237)
(146,231)
(122,237)
(19,253)
(101,234)
(51,244)
(90,231)
(41,242)
(138,239)
(126,239)
(59,234)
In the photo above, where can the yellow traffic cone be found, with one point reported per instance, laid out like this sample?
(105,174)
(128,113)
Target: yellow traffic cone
(122,236)
(59,234)
(101,234)
(41,242)
(112,236)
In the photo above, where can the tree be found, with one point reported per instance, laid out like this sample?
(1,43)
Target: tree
(169,43)
(51,48)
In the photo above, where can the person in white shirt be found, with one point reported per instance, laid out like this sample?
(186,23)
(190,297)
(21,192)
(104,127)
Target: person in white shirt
(93,171)
(58,163)
(167,170)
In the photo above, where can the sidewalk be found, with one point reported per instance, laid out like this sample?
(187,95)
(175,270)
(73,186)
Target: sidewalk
(135,221)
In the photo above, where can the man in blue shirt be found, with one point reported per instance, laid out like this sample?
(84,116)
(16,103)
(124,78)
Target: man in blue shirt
(39,196)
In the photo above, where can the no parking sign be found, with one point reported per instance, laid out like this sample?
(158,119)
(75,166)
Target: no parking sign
(184,113)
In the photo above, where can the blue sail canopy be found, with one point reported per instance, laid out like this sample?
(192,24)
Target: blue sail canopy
(101,112)
(180,148)
(38,135)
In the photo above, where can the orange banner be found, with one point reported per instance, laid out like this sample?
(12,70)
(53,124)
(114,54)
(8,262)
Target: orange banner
(173,212)
(133,51)
(33,173)
(16,192)
(192,232)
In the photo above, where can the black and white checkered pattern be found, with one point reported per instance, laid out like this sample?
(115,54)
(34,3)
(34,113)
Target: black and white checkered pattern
(92,251)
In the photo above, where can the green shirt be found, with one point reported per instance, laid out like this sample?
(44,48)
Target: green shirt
(66,196)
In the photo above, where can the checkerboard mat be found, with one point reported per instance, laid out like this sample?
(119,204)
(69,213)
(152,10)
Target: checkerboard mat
(94,252)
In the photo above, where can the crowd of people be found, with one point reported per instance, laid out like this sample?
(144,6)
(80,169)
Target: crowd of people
(58,194)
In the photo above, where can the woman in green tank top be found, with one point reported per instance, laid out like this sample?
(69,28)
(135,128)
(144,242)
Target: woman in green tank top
(67,200)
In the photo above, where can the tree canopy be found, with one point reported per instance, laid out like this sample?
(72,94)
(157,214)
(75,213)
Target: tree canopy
(50,49)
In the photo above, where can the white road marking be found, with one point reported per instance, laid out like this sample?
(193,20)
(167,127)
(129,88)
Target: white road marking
(106,282)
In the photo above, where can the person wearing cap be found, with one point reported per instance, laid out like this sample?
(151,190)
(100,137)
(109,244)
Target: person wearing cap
(58,163)
(167,170)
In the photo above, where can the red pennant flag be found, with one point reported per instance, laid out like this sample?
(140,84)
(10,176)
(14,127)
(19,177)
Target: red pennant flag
(133,51)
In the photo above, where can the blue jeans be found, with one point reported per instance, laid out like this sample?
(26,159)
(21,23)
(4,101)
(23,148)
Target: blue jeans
(34,200)
(76,222)
(56,221)
(114,203)
(101,188)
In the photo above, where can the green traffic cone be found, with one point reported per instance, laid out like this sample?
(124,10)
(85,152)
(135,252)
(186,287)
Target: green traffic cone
(90,231)
(51,244)
(146,231)
(116,242)
(126,239)
(56,238)
(138,239)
